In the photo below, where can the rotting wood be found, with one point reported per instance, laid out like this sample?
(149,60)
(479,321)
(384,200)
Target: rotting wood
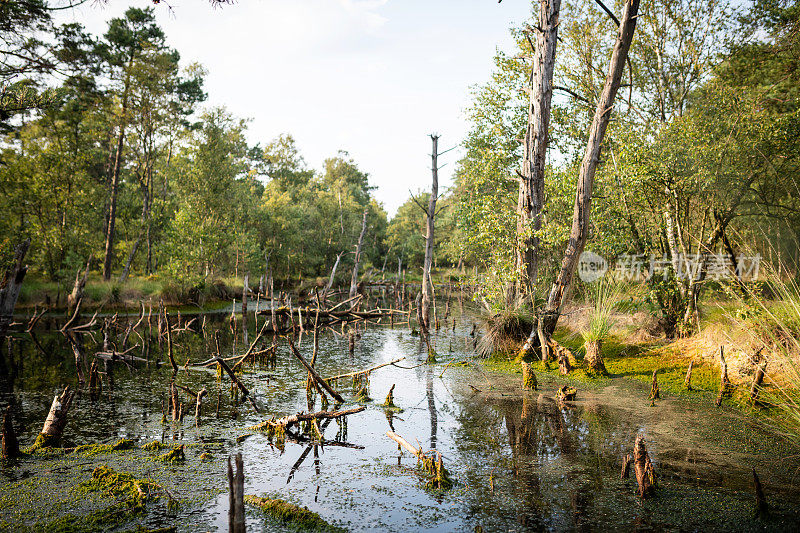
(313,373)
(77,289)
(357,259)
(643,467)
(77,351)
(431,462)
(198,405)
(389,402)
(530,201)
(725,387)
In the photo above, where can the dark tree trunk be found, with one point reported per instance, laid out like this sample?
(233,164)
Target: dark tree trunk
(10,286)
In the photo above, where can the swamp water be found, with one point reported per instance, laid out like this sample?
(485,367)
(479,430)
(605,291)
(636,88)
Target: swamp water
(519,461)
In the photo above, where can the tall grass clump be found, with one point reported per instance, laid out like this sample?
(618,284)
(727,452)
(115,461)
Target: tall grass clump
(605,295)
(504,331)
(769,314)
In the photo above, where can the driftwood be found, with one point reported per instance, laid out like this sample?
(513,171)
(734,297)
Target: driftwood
(56,420)
(77,351)
(236,496)
(417,452)
(313,373)
(645,476)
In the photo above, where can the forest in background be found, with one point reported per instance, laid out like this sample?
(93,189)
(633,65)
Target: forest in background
(110,156)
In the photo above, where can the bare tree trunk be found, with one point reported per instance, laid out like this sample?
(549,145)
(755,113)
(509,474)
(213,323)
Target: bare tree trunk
(354,280)
(329,286)
(77,289)
(531,185)
(583,197)
(11,285)
(245,288)
(429,237)
(127,268)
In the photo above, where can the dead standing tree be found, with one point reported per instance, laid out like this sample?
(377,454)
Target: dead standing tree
(354,280)
(11,284)
(531,183)
(430,215)
(583,197)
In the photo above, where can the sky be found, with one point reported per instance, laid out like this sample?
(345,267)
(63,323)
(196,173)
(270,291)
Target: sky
(372,77)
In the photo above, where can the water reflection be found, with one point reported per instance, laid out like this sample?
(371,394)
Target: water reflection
(521,461)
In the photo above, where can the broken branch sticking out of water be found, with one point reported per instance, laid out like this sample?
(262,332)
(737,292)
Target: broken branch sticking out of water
(313,373)
(431,462)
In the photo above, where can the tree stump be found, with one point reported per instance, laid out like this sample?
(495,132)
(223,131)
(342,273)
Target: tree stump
(655,393)
(528,377)
(645,477)
(56,421)
(593,358)
(566,393)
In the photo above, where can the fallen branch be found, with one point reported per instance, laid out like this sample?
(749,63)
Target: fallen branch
(367,371)
(313,373)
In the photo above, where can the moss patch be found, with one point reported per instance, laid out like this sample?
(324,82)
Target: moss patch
(89,450)
(175,455)
(290,513)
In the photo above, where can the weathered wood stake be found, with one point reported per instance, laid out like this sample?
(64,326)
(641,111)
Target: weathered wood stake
(236,496)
